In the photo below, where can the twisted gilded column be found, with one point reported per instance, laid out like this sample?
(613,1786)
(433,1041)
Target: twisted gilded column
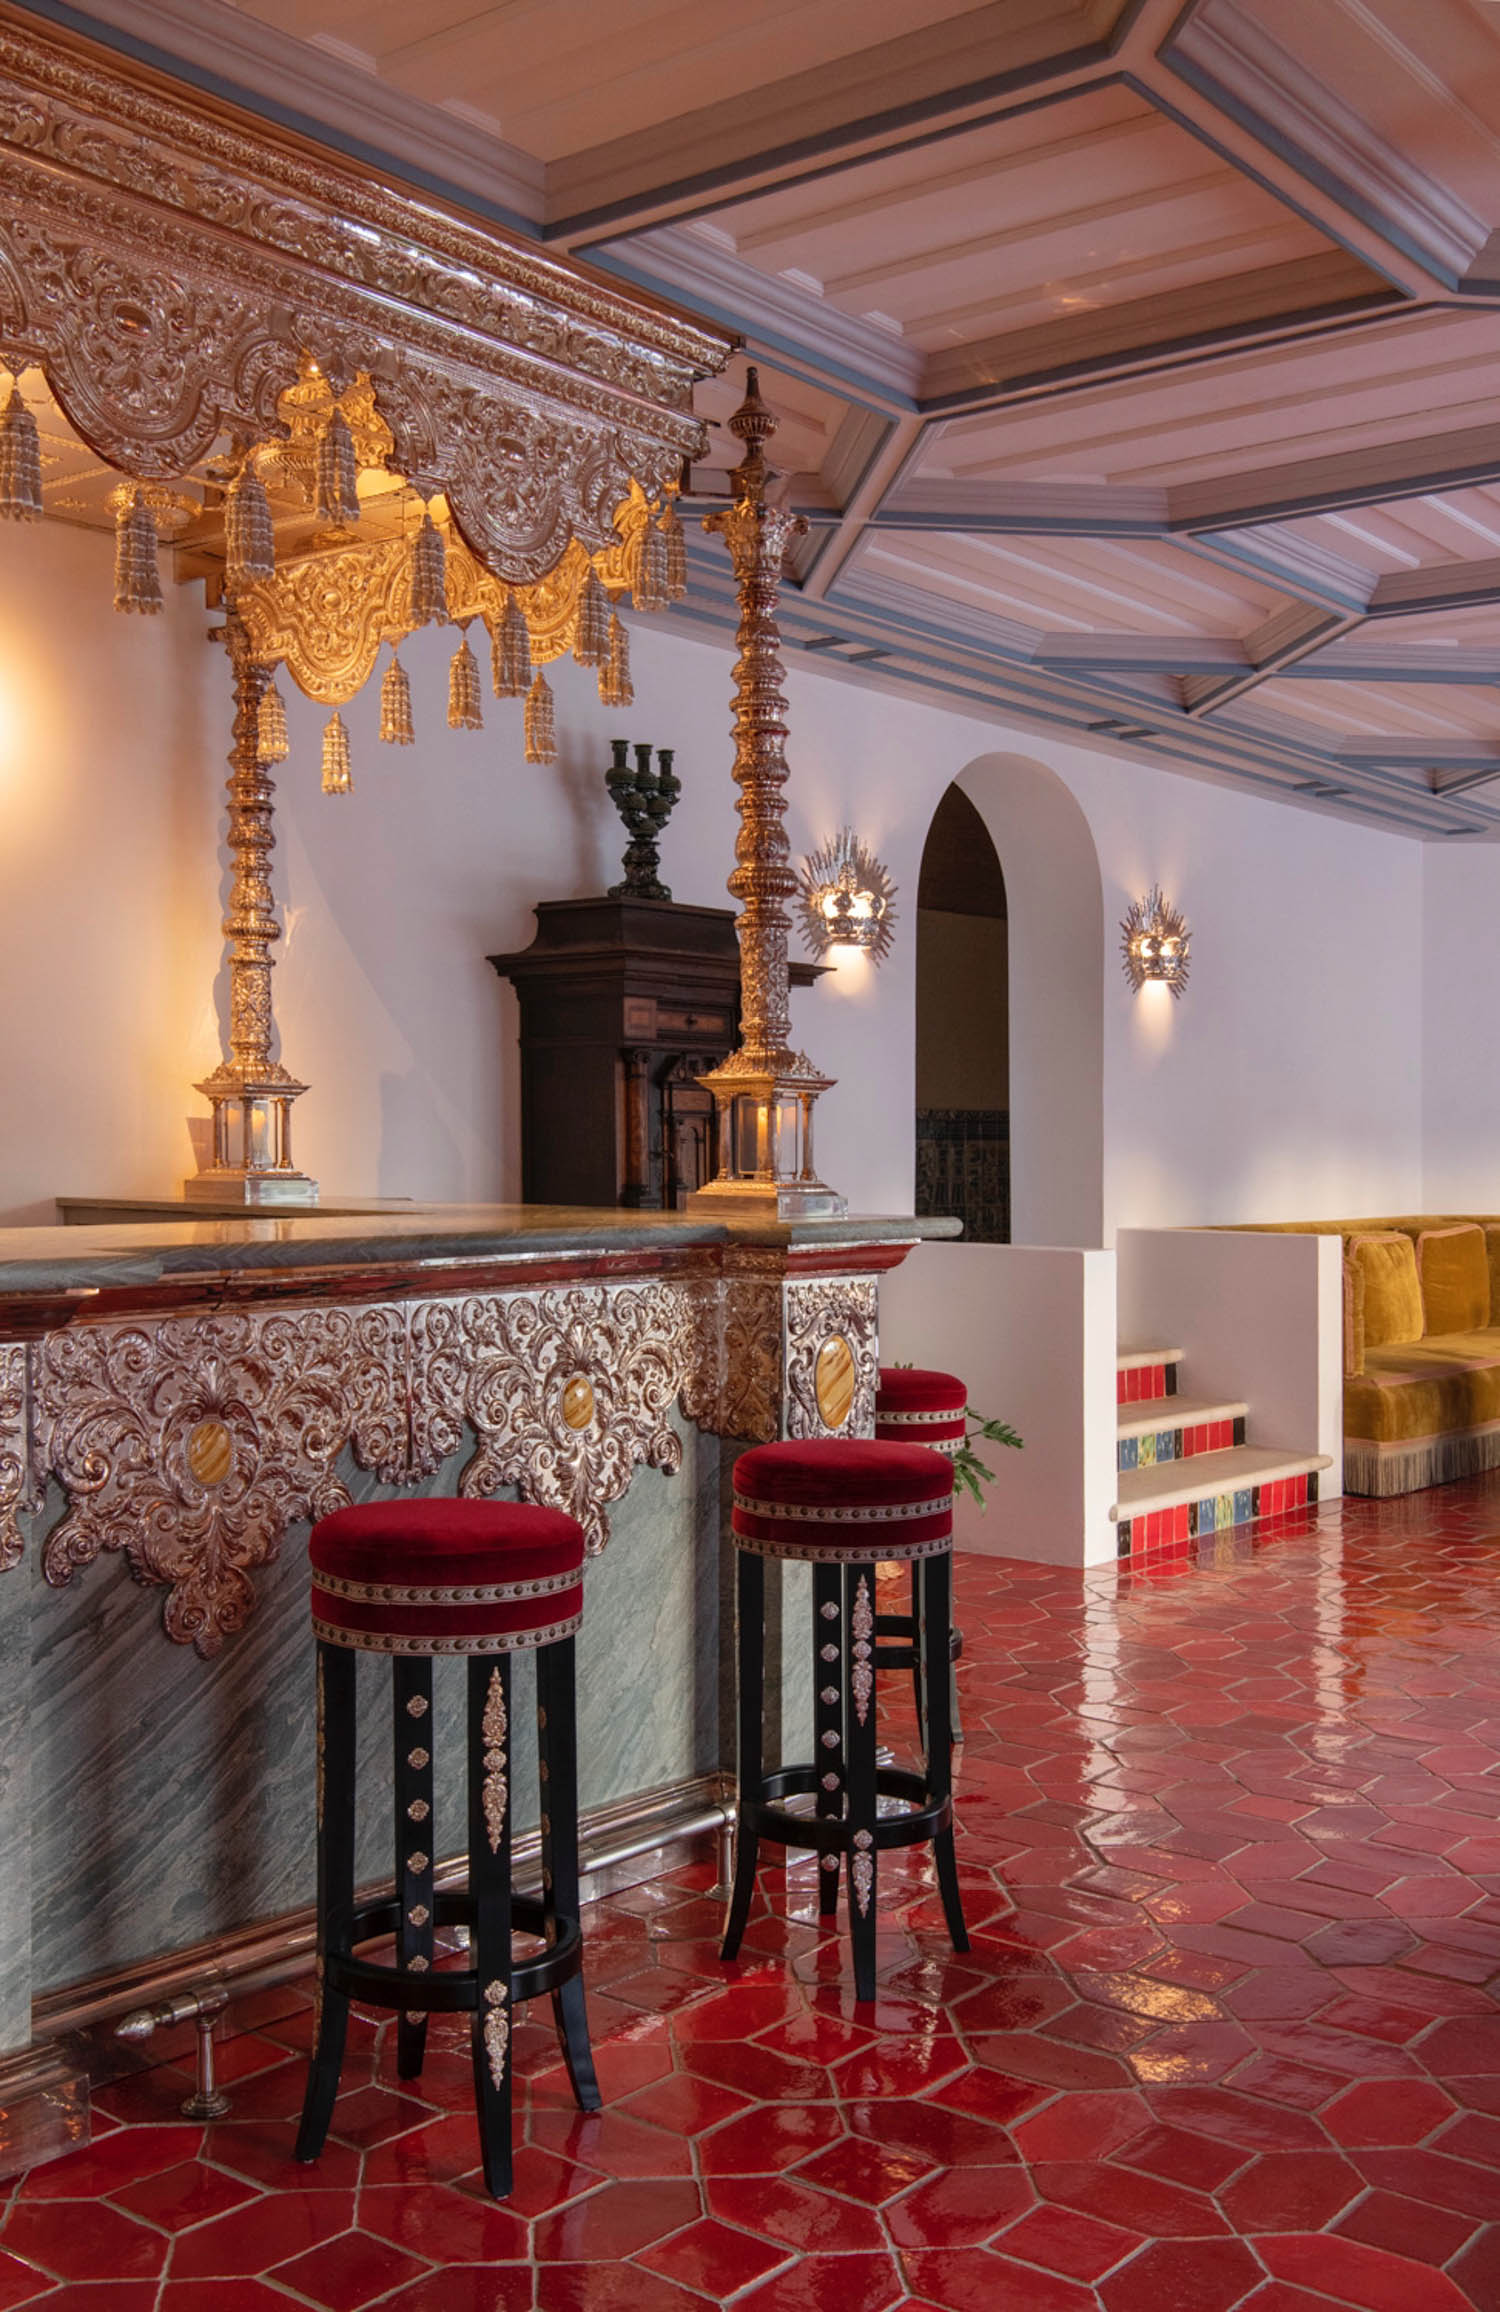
(764,1092)
(251,1093)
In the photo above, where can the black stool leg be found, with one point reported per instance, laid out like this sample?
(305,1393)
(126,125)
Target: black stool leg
(489,1896)
(557,1750)
(859,1614)
(750,1671)
(828,1718)
(411,1702)
(336,1667)
(916,1651)
(936,1618)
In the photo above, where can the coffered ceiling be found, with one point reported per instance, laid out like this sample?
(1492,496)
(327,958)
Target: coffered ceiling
(1138,360)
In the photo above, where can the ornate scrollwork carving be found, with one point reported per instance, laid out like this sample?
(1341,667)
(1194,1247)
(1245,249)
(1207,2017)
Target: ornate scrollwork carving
(751,1406)
(503,1366)
(12,1450)
(169,270)
(817,1309)
(702,1394)
(193,1442)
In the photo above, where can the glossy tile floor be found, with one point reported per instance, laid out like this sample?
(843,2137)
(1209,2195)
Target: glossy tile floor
(1226,2037)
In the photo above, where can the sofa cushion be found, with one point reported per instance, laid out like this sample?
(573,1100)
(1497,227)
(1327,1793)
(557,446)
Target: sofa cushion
(1393,1289)
(1425,1388)
(1455,1270)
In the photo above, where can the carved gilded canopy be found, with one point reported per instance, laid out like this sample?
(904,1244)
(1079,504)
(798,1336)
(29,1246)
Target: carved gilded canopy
(169,266)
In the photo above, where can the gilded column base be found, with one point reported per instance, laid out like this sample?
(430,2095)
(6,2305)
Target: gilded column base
(769,1200)
(44,2107)
(250,1188)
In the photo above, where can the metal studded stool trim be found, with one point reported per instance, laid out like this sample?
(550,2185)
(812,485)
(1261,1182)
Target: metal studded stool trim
(918,1406)
(414,1580)
(446,1577)
(843,1488)
(784,1503)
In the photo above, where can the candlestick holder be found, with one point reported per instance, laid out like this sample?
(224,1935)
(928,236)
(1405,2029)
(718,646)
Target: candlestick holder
(644,799)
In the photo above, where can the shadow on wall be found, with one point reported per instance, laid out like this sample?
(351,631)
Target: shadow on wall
(1054,901)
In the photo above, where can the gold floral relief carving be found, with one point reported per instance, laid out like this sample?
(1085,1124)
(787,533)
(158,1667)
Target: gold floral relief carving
(496,2030)
(12,1450)
(325,618)
(118,1408)
(499,1367)
(702,1392)
(819,1310)
(753,1285)
(495,1789)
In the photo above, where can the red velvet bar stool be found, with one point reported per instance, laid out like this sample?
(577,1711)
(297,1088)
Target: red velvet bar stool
(415,1579)
(841,1506)
(915,1406)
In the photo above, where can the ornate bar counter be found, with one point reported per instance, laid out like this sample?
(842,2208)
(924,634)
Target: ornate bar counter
(187,1397)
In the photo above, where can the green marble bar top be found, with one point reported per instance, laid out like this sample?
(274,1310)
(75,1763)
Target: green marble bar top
(53,1260)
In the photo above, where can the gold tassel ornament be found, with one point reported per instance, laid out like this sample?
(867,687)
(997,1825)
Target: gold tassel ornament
(510,652)
(20,461)
(337,476)
(649,585)
(429,576)
(676,563)
(615,685)
(272,743)
(541,723)
(249,542)
(591,627)
(137,577)
(465,712)
(395,706)
(336,774)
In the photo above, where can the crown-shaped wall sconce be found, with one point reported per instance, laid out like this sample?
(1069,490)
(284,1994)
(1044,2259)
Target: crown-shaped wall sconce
(846,898)
(1154,943)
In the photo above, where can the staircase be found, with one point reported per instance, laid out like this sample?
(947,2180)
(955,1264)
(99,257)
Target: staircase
(1186,1470)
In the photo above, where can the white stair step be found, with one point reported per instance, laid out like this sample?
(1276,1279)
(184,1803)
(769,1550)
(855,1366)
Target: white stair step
(1177,1413)
(1127,1360)
(1238,1469)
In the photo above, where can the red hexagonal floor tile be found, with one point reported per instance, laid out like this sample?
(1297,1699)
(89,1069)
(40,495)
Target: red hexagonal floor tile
(1206,2275)
(1351,2273)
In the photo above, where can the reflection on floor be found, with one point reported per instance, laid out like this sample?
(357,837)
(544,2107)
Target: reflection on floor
(1226,2036)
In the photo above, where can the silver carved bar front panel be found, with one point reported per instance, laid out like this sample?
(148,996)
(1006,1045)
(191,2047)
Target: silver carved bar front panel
(12,1449)
(192,1442)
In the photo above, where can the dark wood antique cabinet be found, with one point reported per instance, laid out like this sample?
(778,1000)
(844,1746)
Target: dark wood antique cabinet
(625,1003)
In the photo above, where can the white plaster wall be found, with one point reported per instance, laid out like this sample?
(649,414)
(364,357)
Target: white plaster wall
(1461,1027)
(109,776)
(1032,1330)
(1287,1082)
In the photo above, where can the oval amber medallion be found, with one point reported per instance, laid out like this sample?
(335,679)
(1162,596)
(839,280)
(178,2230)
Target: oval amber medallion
(578,1402)
(210,1452)
(833,1381)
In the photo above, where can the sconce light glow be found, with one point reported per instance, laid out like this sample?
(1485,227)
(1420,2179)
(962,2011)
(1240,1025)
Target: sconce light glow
(1154,943)
(846,898)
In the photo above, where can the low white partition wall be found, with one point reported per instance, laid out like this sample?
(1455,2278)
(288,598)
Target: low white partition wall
(1031,1329)
(1258,1316)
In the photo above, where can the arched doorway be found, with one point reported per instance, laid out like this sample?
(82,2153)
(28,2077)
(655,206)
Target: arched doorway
(963,1025)
(1047,867)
